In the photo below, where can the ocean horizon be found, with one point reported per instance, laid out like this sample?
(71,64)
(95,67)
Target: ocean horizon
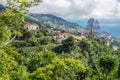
(110,26)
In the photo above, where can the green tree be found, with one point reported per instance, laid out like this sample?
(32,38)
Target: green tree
(10,22)
(44,40)
(119,71)
(5,35)
(19,5)
(85,45)
(68,44)
(41,59)
(13,17)
(10,69)
(61,69)
(107,64)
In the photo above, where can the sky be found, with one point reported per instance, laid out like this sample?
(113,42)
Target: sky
(106,11)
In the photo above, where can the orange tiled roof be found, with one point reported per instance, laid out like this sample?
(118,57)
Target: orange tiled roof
(29,24)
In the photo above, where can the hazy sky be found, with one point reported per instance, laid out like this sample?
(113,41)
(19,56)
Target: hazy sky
(79,8)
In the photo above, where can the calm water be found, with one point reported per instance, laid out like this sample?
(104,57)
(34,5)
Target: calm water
(110,26)
(112,30)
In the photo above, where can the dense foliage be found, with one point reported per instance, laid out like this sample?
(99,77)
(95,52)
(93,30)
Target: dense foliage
(35,56)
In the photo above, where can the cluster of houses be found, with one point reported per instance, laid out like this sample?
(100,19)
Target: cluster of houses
(62,36)
(58,35)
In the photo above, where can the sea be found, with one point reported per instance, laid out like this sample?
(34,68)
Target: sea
(106,25)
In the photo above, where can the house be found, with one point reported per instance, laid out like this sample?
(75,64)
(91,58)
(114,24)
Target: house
(62,36)
(65,35)
(115,47)
(58,37)
(30,26)
(81,37)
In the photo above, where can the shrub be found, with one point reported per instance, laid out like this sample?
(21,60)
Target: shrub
(61,69)
(107,64)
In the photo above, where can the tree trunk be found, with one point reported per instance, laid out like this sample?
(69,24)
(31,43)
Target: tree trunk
(9,41)
(107,76)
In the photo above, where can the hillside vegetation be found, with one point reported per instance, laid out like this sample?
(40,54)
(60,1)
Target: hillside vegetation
(30,55)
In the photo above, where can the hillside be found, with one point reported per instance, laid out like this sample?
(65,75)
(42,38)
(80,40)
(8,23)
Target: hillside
(2,8)
(36,53)
(52,22)
(55,20)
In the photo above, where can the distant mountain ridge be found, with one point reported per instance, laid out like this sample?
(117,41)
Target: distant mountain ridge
(53,21)
(2,8)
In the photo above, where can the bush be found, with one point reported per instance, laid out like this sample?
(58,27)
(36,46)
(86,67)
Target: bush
(119,71)
(107,64)
(40,60)
(18,43)
(61,69)
(32,41)
(10,69)
(68,44)
(44,40)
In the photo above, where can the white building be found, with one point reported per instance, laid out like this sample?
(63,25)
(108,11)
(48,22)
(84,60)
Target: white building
(62,36)
(31,26)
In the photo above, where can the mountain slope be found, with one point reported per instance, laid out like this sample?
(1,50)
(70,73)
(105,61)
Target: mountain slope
(51,21)
(2,8)
(55,20)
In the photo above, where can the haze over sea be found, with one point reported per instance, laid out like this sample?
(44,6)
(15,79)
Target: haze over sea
(106,25)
